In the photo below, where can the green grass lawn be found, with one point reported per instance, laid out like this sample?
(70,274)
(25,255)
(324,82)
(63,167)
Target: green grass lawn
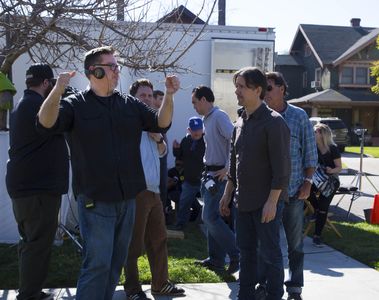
(359,240)
(370,150)
(65,263)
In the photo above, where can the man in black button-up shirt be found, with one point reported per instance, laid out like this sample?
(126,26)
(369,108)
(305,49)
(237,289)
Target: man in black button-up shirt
(104,133)
(259,172)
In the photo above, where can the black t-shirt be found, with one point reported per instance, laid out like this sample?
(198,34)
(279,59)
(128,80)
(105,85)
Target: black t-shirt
(38,163)
(327,159)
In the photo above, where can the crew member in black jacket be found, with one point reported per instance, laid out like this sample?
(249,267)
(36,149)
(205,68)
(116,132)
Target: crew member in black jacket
(37,176)
(191,151)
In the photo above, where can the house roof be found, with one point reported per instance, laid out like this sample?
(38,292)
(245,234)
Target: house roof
(360,95)
(288,60)
(328,95)
(181,15)
(343,96)
(329,43)
(358,45)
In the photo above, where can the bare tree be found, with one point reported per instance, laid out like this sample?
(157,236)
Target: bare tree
(61,30)
(58,32)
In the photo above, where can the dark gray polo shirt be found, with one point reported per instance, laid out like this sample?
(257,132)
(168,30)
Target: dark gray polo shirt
(260,158)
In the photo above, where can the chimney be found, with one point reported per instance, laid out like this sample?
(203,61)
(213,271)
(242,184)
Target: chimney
(355,22)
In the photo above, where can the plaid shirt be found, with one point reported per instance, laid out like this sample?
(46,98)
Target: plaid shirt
(303,147)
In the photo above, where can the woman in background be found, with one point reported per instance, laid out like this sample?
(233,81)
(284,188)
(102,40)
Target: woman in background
(329,158)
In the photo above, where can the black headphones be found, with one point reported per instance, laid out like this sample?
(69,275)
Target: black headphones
(98,72)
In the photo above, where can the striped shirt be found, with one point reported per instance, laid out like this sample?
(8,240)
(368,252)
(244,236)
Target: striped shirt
(303,148)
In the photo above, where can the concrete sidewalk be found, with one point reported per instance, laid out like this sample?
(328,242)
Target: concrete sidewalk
(329,275)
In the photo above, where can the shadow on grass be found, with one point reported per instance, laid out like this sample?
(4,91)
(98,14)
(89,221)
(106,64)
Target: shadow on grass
(66,261)
(63,270)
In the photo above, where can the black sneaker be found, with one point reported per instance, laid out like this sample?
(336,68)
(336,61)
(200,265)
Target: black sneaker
(137,296)
(294,296)
(234,266)
(169,289)
(317,242)
(206,263)
(46,296)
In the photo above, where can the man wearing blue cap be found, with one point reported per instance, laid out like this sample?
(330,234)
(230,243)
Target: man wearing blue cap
(191,151)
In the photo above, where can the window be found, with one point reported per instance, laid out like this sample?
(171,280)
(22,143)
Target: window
(361,75)
(347,75)
(354,75)
(318,74)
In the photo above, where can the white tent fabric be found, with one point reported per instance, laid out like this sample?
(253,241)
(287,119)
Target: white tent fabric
(8,225)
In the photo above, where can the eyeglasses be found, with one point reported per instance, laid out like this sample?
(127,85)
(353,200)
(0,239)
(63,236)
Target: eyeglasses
(52,81)
(113,67)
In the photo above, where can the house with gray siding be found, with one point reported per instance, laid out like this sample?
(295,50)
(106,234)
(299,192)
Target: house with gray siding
(328,73)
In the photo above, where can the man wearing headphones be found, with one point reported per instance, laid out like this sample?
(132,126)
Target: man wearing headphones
(104,131)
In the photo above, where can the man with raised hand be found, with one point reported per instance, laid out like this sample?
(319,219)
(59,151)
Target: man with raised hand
(104,131)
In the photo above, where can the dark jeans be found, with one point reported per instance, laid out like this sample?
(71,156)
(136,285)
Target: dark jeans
(321,205)
(251,233)
(37,220)
(187,200)
(293,220)
(221,238)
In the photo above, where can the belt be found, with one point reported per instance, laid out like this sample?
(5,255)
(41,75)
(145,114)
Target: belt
(213,168)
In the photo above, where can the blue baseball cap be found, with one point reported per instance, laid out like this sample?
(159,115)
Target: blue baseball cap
(195,123)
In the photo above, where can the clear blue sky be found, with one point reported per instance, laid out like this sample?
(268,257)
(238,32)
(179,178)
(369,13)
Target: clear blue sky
(285,16)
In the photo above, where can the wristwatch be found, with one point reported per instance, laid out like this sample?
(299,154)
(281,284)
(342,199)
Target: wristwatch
(308,179)
(160,140)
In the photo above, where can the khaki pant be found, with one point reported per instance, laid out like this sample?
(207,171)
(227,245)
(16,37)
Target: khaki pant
(149,233)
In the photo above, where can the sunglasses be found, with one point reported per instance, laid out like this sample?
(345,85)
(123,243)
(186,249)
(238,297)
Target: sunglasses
(113,67)
(269,87)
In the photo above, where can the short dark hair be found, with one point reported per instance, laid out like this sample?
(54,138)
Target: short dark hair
(254,77)
(204,91)
(157,93)
(137,84)
(92,57)
(37,74)
(278,78)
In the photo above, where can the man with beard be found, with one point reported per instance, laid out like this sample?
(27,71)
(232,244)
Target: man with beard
(37,176)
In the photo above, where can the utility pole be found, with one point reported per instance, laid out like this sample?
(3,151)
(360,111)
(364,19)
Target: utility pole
(120,10)
(221,12)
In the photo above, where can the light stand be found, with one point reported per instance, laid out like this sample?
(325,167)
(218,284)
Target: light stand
(357,180)
(62,229)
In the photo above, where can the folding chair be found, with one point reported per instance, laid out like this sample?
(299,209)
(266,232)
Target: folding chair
(309,210)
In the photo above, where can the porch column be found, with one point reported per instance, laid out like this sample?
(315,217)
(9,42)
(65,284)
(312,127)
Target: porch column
(314,111)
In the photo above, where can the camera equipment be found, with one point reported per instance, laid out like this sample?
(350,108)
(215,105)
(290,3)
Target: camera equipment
(360,131)
(210,184)
(358,177)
